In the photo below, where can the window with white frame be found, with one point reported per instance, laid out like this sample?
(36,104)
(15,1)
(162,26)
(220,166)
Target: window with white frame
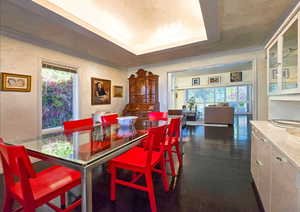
(238,97)
(59,95)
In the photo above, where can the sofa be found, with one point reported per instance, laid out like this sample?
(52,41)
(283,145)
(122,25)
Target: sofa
(218,115)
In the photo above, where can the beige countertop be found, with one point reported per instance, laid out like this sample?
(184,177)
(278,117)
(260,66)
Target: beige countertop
(286,143)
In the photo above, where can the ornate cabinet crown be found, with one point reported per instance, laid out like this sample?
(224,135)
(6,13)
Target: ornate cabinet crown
(143,94)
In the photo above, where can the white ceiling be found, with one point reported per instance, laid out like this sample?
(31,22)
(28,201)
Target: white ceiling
(230,25)
(138,26)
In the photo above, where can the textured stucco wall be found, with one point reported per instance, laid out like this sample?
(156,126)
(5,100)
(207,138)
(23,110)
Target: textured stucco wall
(227,57)
(20,115)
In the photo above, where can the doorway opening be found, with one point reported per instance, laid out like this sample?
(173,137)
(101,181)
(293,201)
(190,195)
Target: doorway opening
(228,85)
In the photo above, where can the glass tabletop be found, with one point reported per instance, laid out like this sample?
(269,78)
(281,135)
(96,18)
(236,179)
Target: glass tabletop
(83,146)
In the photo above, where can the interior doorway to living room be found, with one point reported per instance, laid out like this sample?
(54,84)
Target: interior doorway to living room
(203,92)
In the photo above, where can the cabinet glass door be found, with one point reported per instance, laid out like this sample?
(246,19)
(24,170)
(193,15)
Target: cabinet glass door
(273,68)
(290,58)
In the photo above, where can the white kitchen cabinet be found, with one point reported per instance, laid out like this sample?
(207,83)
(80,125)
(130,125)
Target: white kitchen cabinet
(254,163)
(273,64)
(264,158)
(261,167)
(276,178)
(284,191)
(283,58)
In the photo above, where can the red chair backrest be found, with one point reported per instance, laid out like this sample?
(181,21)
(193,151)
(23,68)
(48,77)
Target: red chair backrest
(109,119)
(16,163)
(156,137)
(174,128)
(78,124)
(158,116)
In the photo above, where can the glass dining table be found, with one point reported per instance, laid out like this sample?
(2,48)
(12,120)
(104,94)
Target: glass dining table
(86,148)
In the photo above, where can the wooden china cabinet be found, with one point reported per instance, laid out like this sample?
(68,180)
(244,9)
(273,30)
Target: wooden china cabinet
(143,94)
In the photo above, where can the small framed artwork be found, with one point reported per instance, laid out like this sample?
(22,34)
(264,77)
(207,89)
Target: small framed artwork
(101,91)
(195,81)
(15,82)
(236,76)
(214,79)
(118,91)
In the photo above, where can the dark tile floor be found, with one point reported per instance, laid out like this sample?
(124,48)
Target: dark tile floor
(215,176)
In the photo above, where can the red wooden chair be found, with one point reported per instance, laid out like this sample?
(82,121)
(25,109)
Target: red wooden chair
(172,140)
(81,124)
(34,189)
(158,116)
(143,161)
(109,119)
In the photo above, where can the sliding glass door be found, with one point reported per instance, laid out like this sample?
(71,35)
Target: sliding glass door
(238,97)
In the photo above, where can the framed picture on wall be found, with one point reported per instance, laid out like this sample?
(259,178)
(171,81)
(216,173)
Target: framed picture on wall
(195,81)
(236,76)
(118,91)
(214,79)
(101,91)
(15,82)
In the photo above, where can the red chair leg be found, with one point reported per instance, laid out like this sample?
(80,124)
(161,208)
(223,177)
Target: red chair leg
(29,208)
(171,162)
(164,175)
(63,201)
(113,173)
(179,155)
(8,203)
(151,194)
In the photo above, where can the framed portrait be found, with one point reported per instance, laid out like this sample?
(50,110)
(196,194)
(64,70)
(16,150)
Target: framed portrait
(236,76)
(214,79)
(195,81)
(101,91)
(118,91)
(15,82)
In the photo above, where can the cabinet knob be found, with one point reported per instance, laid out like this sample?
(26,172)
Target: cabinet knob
(259,163)
(281,159)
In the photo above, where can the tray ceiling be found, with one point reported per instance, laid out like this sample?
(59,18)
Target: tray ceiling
(137,26)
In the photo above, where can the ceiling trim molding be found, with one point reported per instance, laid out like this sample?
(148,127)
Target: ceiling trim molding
(233,52)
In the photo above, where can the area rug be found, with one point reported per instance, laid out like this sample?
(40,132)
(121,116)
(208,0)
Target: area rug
(201,123)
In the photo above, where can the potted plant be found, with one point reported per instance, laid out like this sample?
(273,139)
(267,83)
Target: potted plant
(191,103)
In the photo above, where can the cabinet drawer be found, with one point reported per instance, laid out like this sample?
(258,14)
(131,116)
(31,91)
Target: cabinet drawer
(254,162)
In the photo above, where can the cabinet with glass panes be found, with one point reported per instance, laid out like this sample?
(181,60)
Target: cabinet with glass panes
(283,59)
